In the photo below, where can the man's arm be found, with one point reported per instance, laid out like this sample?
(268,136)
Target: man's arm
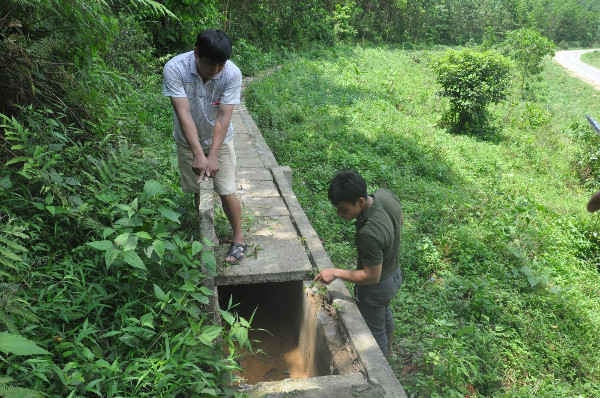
(182,110)
(365,276)
(220,131)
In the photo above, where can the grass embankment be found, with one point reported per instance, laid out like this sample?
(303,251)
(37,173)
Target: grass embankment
(501,291)
(592,58)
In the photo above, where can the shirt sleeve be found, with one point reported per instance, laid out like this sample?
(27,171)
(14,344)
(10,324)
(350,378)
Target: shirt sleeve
(172,82)
(370,252)
(233,90)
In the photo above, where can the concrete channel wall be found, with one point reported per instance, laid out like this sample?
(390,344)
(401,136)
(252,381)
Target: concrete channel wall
(294,253)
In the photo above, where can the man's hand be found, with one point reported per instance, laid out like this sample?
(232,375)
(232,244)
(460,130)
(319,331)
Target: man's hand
(200,166)
(212,164)
(205,167)
(327,275)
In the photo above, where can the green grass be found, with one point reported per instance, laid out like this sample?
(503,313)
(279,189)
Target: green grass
(592,58)
(501,293)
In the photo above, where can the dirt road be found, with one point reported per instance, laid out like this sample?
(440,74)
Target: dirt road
(570,60)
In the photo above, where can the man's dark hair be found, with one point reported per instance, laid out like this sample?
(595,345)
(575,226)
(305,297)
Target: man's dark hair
(214,45)
(347,186)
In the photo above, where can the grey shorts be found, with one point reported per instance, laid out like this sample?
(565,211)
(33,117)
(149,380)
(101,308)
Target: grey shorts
(224,180)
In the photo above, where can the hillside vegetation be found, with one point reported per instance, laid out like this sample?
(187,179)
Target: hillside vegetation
(500,259)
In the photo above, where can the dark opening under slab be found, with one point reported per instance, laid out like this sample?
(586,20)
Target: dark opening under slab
(284,329)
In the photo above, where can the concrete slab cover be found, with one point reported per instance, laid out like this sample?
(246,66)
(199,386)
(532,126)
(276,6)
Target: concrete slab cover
(253,174)
(265,206)
(258,188)
(276,255)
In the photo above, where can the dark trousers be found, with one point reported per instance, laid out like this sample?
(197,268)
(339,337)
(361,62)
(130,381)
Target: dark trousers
(374,304)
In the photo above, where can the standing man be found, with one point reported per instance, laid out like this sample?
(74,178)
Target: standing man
(204,86)
(377,275)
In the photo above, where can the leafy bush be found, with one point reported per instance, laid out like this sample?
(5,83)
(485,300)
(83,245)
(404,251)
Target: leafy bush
(528,48)
(471,80)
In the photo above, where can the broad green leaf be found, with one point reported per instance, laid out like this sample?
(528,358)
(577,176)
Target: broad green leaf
(147,320)
(101,245)
(143,235)
(122,239)
(134,260)
(106,232)
(153,187)
(107,197)
(209,334)
(159,247)
(160,294)
(19,345)
(227,316)
(206,291)
(201,298)
(87,353)
(196,248)
(110,256)
(169,214)
(148,250)
(134,205)
(54,210)
(127,241)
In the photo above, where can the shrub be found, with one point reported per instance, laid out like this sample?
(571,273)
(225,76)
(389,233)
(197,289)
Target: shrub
(471,80)
(527,48)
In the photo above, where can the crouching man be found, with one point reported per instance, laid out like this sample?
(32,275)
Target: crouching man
(377,276)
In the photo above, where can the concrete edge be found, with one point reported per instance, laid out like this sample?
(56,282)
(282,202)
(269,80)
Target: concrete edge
(329,386)
(224,280)
(263,150)
(376,366)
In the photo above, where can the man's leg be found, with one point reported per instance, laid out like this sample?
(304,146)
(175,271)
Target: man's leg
(389,328)
(233,211)
(373,302)
(374,316)
(225,186)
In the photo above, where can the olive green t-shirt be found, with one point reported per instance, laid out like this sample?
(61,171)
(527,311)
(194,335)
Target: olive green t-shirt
(378,233)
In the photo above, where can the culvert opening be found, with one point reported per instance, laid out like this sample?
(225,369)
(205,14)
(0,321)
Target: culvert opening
(287,332)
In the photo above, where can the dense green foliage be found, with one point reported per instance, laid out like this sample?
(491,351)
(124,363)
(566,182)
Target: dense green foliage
(592,58)
(499,257)
(528,48)
(101,279)
(97,268)
(471,80)
(293,23)
(284,24)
